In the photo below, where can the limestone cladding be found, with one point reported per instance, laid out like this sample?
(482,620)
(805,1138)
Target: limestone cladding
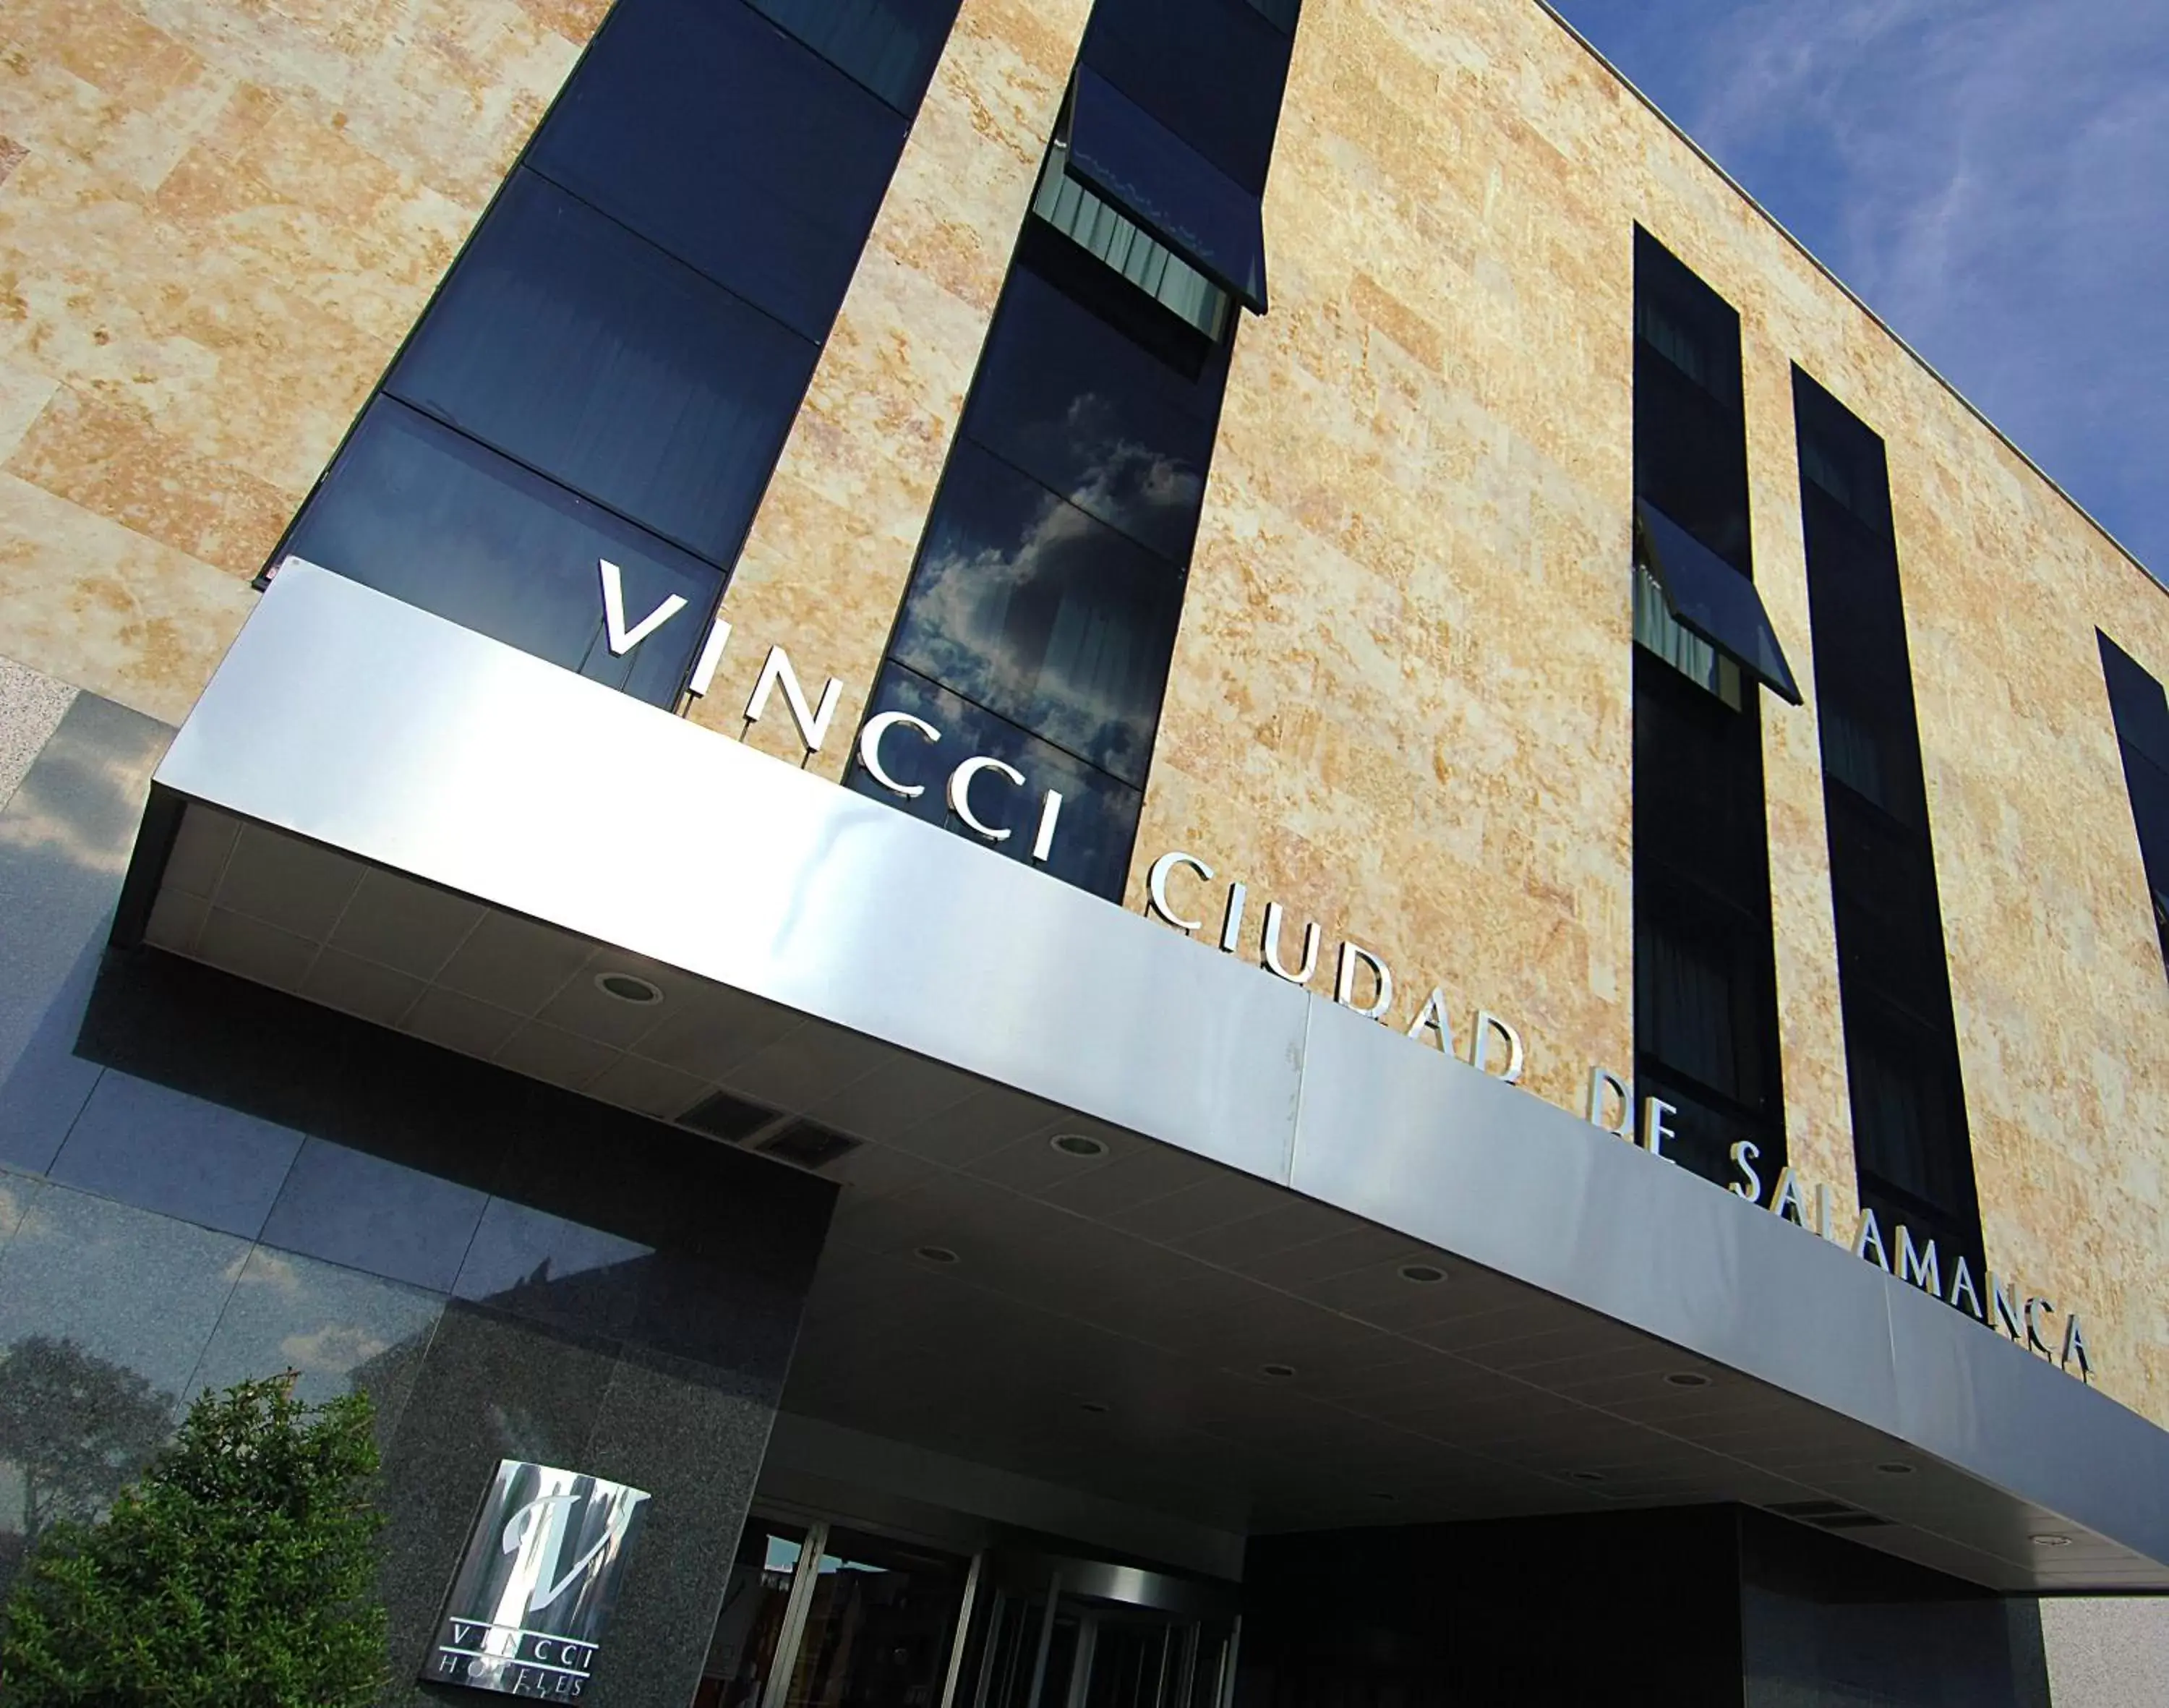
(831,549)
(216,223)
(1401,701)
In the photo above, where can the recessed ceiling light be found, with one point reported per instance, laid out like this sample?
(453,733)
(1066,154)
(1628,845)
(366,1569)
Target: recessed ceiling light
(629,987)
(1687,1378)
(2051,1541)
(1078,1144)
(1895,1467)
(1586,1476)
(936,1254)
(1423,1274)
(1279,1373)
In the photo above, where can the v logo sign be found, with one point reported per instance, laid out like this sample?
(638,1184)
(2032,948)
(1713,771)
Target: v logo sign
(622,640)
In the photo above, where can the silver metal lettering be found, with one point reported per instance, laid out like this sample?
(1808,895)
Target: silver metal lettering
(1655,1132)
(1919,1266)
(1749,1186)
(1274,914)
(1164,868)
(621,639)
(1480,1046)
(2074,1347)
(879,725)
(1823,1212)
(1050,809)
(1962,1282)
(960,797)
(1436,1015)
(1344,983)
(1231,927)
(1603,1086)
(711,657)
(2003,1301)
(1786,1204)
(1871,1234)
(2036,1309)
(813,724)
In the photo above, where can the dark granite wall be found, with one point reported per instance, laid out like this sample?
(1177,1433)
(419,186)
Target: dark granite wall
(201,1179)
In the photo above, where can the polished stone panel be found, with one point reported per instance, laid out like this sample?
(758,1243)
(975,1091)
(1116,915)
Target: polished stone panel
(348,1207)
(338,1331)
(163,1150)
(65,838)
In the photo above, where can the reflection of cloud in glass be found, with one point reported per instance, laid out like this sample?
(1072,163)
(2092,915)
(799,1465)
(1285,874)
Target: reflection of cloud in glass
(334,1350)
(262,1267)
(1152,495)
(1027,605)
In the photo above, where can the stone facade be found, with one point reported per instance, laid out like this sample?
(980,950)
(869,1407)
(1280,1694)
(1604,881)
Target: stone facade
(1401,703)
(216,224)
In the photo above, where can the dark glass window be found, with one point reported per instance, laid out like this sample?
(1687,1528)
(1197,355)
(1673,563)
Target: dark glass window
(566,341)
(2136,702)
(1705,979)
(426,515)
(889,45)
(1910,1142)
(2141,711)
(713,133)
(1212,70)
(1043,610)
(1710,597)
(1079,406)
(1024,605)
(1099,816)
(1120,151)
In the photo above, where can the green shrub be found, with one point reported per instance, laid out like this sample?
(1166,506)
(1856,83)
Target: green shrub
(239,1571)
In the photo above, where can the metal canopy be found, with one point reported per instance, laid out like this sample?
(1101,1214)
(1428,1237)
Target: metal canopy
(1207,1307)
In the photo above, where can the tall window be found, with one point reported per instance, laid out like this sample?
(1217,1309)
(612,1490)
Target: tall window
(1909,1120)
(2141,714)
(610,368)
(1705,981)
(1042,608)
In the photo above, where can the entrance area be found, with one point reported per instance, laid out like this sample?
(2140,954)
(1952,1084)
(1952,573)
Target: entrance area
(822,1616)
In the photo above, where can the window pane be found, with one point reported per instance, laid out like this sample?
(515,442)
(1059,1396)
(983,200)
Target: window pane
(708,130)
(879,1626)
(568,342)
(1147,171)
(1024,605)
(1073,401)
(417,512)
(1710,597)
(889,45)
(1099,816)
(2136,702)
(1211,71)
(743,1651)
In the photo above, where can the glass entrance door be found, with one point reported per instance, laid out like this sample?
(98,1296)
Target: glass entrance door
(870,1625)
(1091,1636)
(819,1616)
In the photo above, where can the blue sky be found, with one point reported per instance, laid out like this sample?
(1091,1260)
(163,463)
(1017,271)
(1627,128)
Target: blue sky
(1991,176)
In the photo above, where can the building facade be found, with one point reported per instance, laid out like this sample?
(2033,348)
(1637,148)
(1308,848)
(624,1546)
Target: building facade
(1148,852)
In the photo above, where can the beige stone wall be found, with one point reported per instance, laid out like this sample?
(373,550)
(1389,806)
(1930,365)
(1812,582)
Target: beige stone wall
(216,223)
(831,546)
(1401,701)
